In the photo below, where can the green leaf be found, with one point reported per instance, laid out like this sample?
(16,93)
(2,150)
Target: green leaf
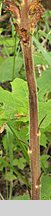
(9,176)
(7,44)
(23,131)
(43,51)
(39,59)
(44,85)
(43,138)
(3,163)
(44,164)
(48,133)
(21,162)
(6,67)
(46,187)
(15,102)
(22,146)
(45,112)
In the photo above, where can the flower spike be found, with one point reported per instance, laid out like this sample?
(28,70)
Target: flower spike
(12,7)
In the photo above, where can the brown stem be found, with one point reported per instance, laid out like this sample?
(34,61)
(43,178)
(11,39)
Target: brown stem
(33,107)
(24,32)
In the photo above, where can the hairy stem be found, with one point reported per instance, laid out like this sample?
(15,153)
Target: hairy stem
(33,109)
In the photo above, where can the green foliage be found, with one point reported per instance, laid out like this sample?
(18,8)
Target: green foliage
(21,162)
(46,187)
(6,72)
(23,197)
(14,103)
(14,111)
(45,54)
(44,163)
(44,85)
(9,177)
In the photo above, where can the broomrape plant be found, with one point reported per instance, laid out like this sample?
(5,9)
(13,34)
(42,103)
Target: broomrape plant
(26,14)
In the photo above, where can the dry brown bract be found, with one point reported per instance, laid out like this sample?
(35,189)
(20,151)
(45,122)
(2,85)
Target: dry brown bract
(35,12)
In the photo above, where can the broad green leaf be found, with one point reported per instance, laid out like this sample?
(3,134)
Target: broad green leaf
(8,41)
(46,187)
(15,102)
(7,44)
(39,59)
(7,105)
(6,67)
(20,91)
(23,131)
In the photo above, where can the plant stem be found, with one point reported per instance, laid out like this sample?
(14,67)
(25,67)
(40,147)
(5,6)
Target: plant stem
(13,72)
(33,108)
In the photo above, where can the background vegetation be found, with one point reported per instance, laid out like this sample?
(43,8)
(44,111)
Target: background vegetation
(15,174)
